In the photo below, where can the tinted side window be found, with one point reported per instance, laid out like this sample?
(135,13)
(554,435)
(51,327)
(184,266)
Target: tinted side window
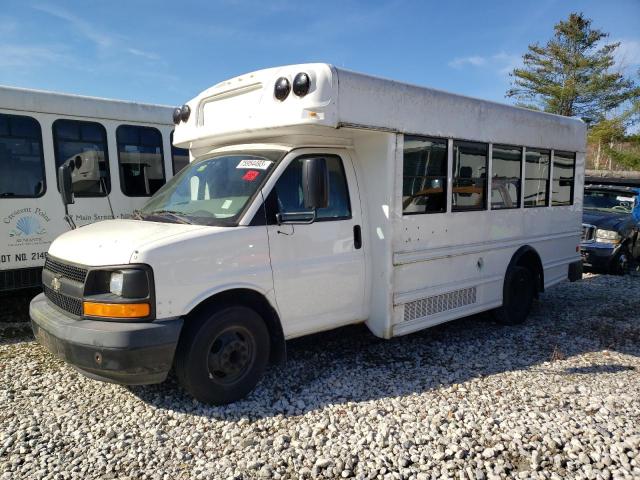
(140,160)
(564,165)
(424,175)
(506,171)
(179,157)
(288,190)
(21,159)
(469,176)
(83,145)
(536,178)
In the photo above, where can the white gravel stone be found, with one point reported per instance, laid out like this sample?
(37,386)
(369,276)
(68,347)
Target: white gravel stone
(555,398)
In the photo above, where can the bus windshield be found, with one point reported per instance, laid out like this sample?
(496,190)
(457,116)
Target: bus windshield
(608,201)
(212,191)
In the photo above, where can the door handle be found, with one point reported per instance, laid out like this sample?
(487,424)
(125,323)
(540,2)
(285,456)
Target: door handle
(357,237)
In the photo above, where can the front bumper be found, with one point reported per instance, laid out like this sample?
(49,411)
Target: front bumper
(575,271)
(598,255)
(118,352)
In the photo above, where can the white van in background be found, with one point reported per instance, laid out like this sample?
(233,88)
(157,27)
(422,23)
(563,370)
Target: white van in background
(121,152)
(317,197)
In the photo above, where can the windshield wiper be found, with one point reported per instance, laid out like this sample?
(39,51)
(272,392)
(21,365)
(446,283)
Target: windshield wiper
(181,218)
(7,194)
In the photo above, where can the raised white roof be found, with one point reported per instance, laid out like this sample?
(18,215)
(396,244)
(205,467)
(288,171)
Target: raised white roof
(27,100)
(245,107)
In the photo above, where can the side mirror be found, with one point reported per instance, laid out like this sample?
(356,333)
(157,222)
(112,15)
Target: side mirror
(64,183)
(315,183)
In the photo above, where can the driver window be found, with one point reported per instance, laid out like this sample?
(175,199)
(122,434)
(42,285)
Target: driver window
(287,193)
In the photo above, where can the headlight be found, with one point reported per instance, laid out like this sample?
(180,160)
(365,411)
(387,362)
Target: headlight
(120,293)
(607,236)
(115,283)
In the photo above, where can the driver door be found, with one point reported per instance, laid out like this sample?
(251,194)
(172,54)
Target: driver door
(318,268)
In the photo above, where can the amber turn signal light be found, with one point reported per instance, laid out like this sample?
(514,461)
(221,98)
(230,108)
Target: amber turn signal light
(117,310)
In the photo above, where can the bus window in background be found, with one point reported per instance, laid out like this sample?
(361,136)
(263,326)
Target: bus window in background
(21,159)
(536,178)
(179,157)
(140,160)
(85,145)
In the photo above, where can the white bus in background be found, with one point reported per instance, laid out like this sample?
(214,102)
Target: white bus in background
(121,152)
(317,197)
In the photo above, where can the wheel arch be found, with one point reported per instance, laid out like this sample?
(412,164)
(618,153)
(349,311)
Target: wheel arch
(256,301)
(527,256)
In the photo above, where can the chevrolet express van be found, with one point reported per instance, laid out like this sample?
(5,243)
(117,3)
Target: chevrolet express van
(315,198)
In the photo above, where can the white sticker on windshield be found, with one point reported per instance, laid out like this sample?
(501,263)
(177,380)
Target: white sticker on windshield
(624,199)
(226,204)
(255,164)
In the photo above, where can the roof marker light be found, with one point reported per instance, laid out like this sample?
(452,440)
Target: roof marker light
(282,88)
(177,113)
(301,84)
(185,111)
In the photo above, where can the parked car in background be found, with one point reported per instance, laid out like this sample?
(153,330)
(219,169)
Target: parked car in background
(610,228)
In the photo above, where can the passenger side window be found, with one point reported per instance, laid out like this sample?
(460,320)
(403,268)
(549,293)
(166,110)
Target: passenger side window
(564,165)
(506,171)
(179,157)
(140,160)
(84,146)
(424,175)
(469,176)
(536,178)
(21,158)
(288,190)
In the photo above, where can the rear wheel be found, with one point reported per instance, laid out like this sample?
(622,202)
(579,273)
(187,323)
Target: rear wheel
(222,354)
(517,296)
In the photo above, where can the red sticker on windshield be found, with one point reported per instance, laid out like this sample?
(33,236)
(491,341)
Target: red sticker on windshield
(250,176)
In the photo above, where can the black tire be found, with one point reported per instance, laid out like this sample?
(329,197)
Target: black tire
(222,354)
(517,296)
(620,262)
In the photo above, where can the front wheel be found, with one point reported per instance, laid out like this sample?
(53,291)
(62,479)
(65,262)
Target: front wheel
(620,262)
(517,296)
(222,354)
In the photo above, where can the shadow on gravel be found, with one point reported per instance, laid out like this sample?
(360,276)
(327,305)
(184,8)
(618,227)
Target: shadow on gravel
(352,365)
(14,306)
(591,369)
(14,316)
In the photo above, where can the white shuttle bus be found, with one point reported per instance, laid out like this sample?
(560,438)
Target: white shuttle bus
(317,197)
(121,153)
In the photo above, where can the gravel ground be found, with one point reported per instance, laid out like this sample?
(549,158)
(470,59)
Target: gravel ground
(555,398)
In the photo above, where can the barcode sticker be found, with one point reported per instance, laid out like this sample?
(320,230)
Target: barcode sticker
(255,164)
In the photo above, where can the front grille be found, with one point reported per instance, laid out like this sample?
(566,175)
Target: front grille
(64,272)
(588,233)
(71,272)
(69,304)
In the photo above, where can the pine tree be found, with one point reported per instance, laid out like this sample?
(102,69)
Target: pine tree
(572,74)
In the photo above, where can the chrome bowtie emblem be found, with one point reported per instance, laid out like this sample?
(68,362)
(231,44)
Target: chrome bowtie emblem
(55,284)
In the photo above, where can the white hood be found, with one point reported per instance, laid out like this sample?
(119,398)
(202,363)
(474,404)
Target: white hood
(112,242)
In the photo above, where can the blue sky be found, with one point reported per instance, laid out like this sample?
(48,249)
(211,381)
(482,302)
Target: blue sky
(167,52)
